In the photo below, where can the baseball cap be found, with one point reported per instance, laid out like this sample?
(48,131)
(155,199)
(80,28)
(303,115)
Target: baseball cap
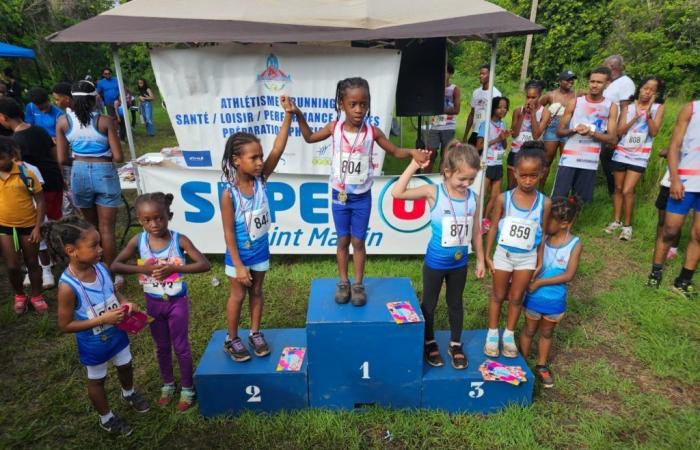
(567,75)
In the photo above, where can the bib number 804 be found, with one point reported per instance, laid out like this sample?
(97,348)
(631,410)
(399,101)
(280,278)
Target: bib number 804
(351,167)
(519,231)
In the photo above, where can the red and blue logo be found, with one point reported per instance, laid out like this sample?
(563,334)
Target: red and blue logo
(405,216)
(273,78)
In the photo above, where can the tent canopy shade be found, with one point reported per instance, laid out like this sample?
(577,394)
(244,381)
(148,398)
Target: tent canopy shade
(13,51)
(267,21)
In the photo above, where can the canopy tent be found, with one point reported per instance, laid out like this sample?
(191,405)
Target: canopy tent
(13,51)
(268,21)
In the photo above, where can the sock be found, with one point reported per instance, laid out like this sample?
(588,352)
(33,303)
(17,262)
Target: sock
(686,274)
(492,332)
(126,393)
(674,249)
(657,268)
(508,336)
(455,344)
(166,385)
(106,418)
(188,389)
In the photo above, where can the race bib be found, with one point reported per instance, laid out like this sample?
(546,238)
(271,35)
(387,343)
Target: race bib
(456,232)
(259,221)
(479,116)
(518,233)
(353,167)
(170,286)
(97,310)
(634,140)
(525,136)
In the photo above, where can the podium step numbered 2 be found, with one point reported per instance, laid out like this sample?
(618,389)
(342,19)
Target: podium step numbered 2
(354,357)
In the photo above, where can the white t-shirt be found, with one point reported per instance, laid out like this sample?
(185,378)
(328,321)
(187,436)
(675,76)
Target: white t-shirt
(479,102)
(619,90)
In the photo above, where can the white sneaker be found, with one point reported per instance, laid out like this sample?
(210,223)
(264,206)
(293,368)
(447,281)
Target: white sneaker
(47,279)
(26,283)
(612,227)
(626,233)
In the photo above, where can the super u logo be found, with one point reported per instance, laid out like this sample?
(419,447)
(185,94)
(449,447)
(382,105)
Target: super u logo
(405,216)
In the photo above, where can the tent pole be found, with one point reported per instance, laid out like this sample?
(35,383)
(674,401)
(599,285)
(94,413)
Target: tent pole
(487,127)
(127,117)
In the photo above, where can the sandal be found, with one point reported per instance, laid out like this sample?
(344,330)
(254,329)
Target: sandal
(459,359)
(21,304)
(39,304)
(432,354)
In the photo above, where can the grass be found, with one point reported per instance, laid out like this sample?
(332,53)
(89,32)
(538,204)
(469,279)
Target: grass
(626,360)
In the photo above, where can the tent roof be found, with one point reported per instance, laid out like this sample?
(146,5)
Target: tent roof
(13,51)
(265,21)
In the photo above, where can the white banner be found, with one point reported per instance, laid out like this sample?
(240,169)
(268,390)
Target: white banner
(302,222)
(213,92)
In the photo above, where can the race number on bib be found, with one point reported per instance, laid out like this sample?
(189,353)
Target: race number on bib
(634,140)
(353,168)
(456,232)
(479,116)
(259,221)
(518,233)
(97,310)
(525,136)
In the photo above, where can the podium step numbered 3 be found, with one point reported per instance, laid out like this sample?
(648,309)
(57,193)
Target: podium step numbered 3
(354,357)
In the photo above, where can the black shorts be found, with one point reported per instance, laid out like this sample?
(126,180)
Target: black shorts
(472,138)
(22,231)
(511,158)
(662,198)
(616,166)
(494,173)
(574,180)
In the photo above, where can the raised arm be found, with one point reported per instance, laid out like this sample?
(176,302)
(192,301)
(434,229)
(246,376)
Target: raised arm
(420,156)
(281,140)
(401,191)
(309,136)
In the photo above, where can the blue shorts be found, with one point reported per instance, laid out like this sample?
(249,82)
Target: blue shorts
(95,183)
(691,200)
(550,133)
(352,218)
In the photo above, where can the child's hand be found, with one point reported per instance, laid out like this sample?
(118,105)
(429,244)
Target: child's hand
(538,268)
(288,105)
(582,129)
(113,316)
(243,276)
(490,266)
(35,236)
(160,273)
(533,286)
(479,269)
(422,157)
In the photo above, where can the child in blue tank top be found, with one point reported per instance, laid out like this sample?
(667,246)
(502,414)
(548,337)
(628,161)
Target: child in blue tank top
(545,302)
(246,218)
(520,215)
(160,266)
(455,226)
(90,307)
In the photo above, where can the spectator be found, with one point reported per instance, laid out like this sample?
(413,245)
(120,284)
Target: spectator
(40,112)
(108,89)
(61,95)
(146,98)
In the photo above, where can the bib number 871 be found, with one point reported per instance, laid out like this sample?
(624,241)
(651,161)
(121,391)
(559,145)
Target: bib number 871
(457,229)
(519,231)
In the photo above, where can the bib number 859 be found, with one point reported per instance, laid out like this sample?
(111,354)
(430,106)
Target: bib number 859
(519,231)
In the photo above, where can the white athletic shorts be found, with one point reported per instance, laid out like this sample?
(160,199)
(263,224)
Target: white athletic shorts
(510,261)
(99,371)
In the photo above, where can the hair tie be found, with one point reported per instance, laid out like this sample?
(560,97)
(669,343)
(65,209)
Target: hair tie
(83,94)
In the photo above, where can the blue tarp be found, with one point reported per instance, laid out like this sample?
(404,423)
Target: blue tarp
(12,51)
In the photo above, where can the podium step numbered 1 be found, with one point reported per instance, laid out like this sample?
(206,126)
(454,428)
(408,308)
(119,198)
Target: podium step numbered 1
(355,357)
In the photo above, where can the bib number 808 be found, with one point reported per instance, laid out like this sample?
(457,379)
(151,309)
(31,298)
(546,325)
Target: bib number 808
(519,231)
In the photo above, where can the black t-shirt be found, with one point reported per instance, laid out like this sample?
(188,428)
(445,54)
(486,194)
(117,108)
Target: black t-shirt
(36,145)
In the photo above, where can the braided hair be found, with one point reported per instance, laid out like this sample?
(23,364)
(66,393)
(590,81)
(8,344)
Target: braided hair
(60,233)
(532,150)
(233,148)
(159,198)
(84,94)
(350,83)
(565,209)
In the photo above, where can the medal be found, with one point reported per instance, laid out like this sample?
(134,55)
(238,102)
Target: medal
(104,338)
(458,255)
(247,244)
(342,197)
(165,297)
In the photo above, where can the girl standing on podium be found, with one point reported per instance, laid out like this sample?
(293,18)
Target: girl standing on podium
(246,217)
(352,172)
(454,213)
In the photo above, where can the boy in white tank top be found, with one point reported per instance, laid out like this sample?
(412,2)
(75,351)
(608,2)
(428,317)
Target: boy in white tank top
(588,122)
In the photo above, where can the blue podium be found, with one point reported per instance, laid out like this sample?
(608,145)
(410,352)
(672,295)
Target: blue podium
(465,390)
(358,355)
(227,387)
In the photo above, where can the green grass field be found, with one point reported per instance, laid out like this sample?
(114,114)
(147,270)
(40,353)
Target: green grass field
(626,359)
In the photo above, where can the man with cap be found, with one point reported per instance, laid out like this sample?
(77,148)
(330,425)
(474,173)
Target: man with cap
(619,91)
(555,102)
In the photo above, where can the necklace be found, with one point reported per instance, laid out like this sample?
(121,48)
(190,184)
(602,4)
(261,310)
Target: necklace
(343,195)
